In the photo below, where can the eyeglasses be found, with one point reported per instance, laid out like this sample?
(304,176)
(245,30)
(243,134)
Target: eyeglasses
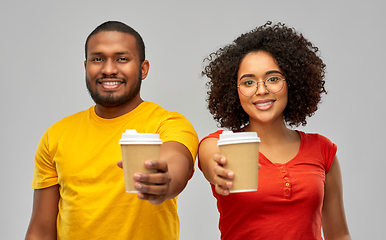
(273,84)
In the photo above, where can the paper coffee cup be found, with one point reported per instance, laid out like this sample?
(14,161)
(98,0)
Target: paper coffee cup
(136,148)
(241,150)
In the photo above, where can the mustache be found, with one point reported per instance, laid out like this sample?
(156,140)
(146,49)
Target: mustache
(110,77)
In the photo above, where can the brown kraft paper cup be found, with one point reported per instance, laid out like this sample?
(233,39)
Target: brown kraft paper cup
(134,155)
(242,153)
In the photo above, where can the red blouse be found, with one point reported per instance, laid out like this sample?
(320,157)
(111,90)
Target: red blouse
(289,200)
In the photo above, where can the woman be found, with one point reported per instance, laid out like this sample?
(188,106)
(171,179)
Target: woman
(267,81)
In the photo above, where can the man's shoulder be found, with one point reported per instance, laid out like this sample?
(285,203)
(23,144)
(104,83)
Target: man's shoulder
(155,109)
(76,117)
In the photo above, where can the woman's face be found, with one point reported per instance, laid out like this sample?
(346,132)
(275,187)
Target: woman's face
(263,106)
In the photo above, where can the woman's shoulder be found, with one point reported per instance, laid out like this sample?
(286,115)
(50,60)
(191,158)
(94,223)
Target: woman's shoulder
(313,136)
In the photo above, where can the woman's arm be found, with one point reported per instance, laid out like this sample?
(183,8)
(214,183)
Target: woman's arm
(334,217)
(211,163)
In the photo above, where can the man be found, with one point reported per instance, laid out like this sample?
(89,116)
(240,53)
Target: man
(79,190)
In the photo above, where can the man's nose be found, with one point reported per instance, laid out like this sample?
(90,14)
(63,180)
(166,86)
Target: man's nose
(110,67)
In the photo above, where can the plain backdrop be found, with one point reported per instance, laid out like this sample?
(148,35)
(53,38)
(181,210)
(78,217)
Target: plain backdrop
(42,81)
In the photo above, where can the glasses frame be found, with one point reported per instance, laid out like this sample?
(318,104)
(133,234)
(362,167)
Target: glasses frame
(257,85)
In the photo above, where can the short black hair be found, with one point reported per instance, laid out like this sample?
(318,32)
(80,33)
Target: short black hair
(303,69)
(119,27)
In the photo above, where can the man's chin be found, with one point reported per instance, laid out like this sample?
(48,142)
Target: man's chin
(109,102)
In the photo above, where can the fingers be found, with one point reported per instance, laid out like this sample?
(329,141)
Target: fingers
(161,166)
(151,189)
(152,178)
(223,184)
(153,199)
(222,191)
(222,176)
(221,160)
(119,163)
(153,186)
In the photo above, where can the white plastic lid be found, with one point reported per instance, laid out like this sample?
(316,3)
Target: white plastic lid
(229,137)
(131,136)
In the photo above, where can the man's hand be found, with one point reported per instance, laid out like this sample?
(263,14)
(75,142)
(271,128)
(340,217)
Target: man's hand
(172,174)
(153,186)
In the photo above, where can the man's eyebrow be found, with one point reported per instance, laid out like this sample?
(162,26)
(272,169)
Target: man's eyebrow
(117,53)
(96,53)
(123,53)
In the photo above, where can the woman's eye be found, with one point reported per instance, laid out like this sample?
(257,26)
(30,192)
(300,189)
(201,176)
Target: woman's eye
(272,79)
(249,83)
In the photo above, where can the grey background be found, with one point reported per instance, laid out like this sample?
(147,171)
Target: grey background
(42,54)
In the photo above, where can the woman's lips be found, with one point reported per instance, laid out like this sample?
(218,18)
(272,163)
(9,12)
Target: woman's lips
(264,105)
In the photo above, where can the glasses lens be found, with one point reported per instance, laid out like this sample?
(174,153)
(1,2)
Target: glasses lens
(274,84)
(248,88)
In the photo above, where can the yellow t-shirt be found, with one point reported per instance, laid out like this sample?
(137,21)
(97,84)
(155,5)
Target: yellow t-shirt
(80,153)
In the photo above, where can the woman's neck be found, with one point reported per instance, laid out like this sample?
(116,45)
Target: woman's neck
(278,143)
(271,133)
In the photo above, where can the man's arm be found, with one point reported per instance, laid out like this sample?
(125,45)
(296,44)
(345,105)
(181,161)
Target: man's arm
(44,214)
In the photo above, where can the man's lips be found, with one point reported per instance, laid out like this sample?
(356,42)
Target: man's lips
(111,83)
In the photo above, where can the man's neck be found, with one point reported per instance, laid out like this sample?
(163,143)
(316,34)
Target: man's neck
(114,112)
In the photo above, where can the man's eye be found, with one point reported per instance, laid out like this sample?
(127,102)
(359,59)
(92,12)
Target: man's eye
(123,59)
(97,59)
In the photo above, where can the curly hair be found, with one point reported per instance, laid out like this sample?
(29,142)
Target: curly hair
(296,56)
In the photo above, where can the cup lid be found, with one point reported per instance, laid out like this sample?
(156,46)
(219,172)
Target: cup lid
(229,137)
(131,136)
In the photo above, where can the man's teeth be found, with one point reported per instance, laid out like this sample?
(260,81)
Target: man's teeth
(263,104)
(110,83)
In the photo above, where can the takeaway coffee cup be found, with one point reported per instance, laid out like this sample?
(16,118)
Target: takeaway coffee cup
(241,150)
(136,148)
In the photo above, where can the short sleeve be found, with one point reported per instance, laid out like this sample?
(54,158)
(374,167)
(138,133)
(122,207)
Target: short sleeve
(177,128)
(45,174)
(212,135)
(329,150)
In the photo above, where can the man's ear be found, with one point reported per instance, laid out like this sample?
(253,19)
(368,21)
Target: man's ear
(145,68)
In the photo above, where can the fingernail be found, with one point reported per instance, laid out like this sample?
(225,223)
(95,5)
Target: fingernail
(137,176)
(140,195)
(150,163)
(138,186)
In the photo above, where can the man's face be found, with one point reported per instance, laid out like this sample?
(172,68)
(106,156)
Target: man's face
(113,70)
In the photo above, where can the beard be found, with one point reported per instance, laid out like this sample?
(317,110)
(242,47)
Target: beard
(110,100)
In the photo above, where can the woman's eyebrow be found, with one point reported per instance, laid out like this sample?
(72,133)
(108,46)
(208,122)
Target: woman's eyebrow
(274,71)
(248,75)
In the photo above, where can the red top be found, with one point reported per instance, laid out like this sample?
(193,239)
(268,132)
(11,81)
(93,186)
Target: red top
(289,200)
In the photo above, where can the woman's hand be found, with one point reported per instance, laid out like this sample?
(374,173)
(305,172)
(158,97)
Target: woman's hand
(222,177)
